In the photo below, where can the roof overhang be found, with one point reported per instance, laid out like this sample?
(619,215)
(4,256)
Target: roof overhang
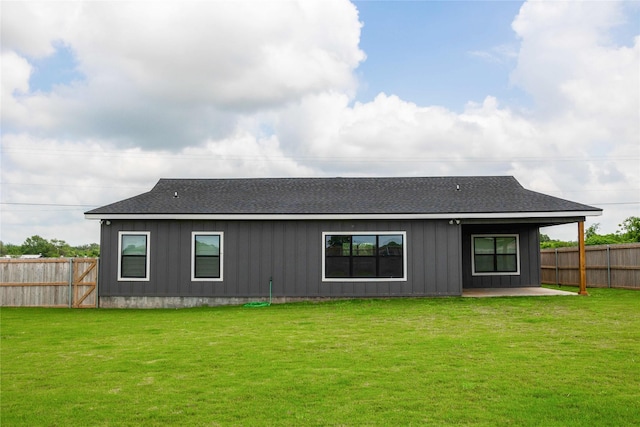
(552,217)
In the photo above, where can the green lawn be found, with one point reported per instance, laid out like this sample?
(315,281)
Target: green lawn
(540,361)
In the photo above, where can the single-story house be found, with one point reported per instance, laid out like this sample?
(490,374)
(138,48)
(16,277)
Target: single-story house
(194,242)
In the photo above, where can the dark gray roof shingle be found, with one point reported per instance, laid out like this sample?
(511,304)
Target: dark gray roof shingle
(308,196)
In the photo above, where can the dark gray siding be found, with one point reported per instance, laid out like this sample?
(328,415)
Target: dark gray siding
(529,257)
(290,252)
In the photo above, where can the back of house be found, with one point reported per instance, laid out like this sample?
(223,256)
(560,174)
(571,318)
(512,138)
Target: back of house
(190,242)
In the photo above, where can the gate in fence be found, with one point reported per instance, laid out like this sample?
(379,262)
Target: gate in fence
(49,282)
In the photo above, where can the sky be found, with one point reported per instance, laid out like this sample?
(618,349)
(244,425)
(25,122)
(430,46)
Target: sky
(100,99)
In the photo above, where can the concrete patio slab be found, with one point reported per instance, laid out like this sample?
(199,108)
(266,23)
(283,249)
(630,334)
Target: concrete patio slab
(513,292)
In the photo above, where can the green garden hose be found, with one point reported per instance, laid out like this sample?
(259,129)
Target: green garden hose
(262,303)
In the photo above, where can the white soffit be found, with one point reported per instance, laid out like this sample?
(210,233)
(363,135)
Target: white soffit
(257,217)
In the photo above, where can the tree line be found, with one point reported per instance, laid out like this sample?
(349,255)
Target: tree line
(54,248)
(628,232)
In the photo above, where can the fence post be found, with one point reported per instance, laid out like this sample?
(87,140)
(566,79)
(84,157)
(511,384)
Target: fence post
(557,273)
(608,266)
(70,282)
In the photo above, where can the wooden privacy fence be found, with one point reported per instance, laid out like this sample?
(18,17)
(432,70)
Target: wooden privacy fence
(608,266)
(49,282)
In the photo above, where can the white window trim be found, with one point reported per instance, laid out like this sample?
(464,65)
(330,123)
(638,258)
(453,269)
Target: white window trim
(505,273)
(193,256)
(366,233)
(148,256)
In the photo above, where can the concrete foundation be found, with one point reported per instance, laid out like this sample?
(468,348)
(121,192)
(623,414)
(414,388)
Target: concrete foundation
(187,302)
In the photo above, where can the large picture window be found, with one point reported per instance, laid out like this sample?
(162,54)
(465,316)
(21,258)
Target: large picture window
(206,256)
(133,261)
(364,256)
(495,254)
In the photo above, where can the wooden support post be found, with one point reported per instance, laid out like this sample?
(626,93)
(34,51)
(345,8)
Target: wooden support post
(582,259)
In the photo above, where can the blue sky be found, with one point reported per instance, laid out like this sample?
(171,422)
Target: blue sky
(101,99)
(60,68)
(427,51)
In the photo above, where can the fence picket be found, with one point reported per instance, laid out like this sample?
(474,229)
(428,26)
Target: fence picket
(48,282)
(613,266)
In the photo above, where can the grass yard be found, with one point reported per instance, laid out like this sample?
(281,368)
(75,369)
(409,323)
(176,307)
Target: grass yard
(539,361)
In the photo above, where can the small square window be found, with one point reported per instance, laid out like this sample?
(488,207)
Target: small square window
(133,259)
(206,256)
(495,255)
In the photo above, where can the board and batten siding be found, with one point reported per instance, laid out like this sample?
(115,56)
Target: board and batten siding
(529,250)
(288,252)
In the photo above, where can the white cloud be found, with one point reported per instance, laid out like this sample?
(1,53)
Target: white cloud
(389,136)
(238,55)
(169,74)
(14,82)
(31,28)
(503,54)
(568,61)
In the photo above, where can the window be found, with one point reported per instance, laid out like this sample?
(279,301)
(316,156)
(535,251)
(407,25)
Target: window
(133,261)
(498,254)
(206,256)
(364,256)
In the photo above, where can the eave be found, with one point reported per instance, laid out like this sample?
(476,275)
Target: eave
(552,217)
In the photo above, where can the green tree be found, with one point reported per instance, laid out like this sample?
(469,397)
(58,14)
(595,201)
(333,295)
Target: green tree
(630,229)
(35,245)
(552,244)
(606,239)
(591,231)
(62,248)
(91,250)
(9,249)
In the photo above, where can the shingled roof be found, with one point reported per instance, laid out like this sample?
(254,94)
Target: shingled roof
(463,197)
